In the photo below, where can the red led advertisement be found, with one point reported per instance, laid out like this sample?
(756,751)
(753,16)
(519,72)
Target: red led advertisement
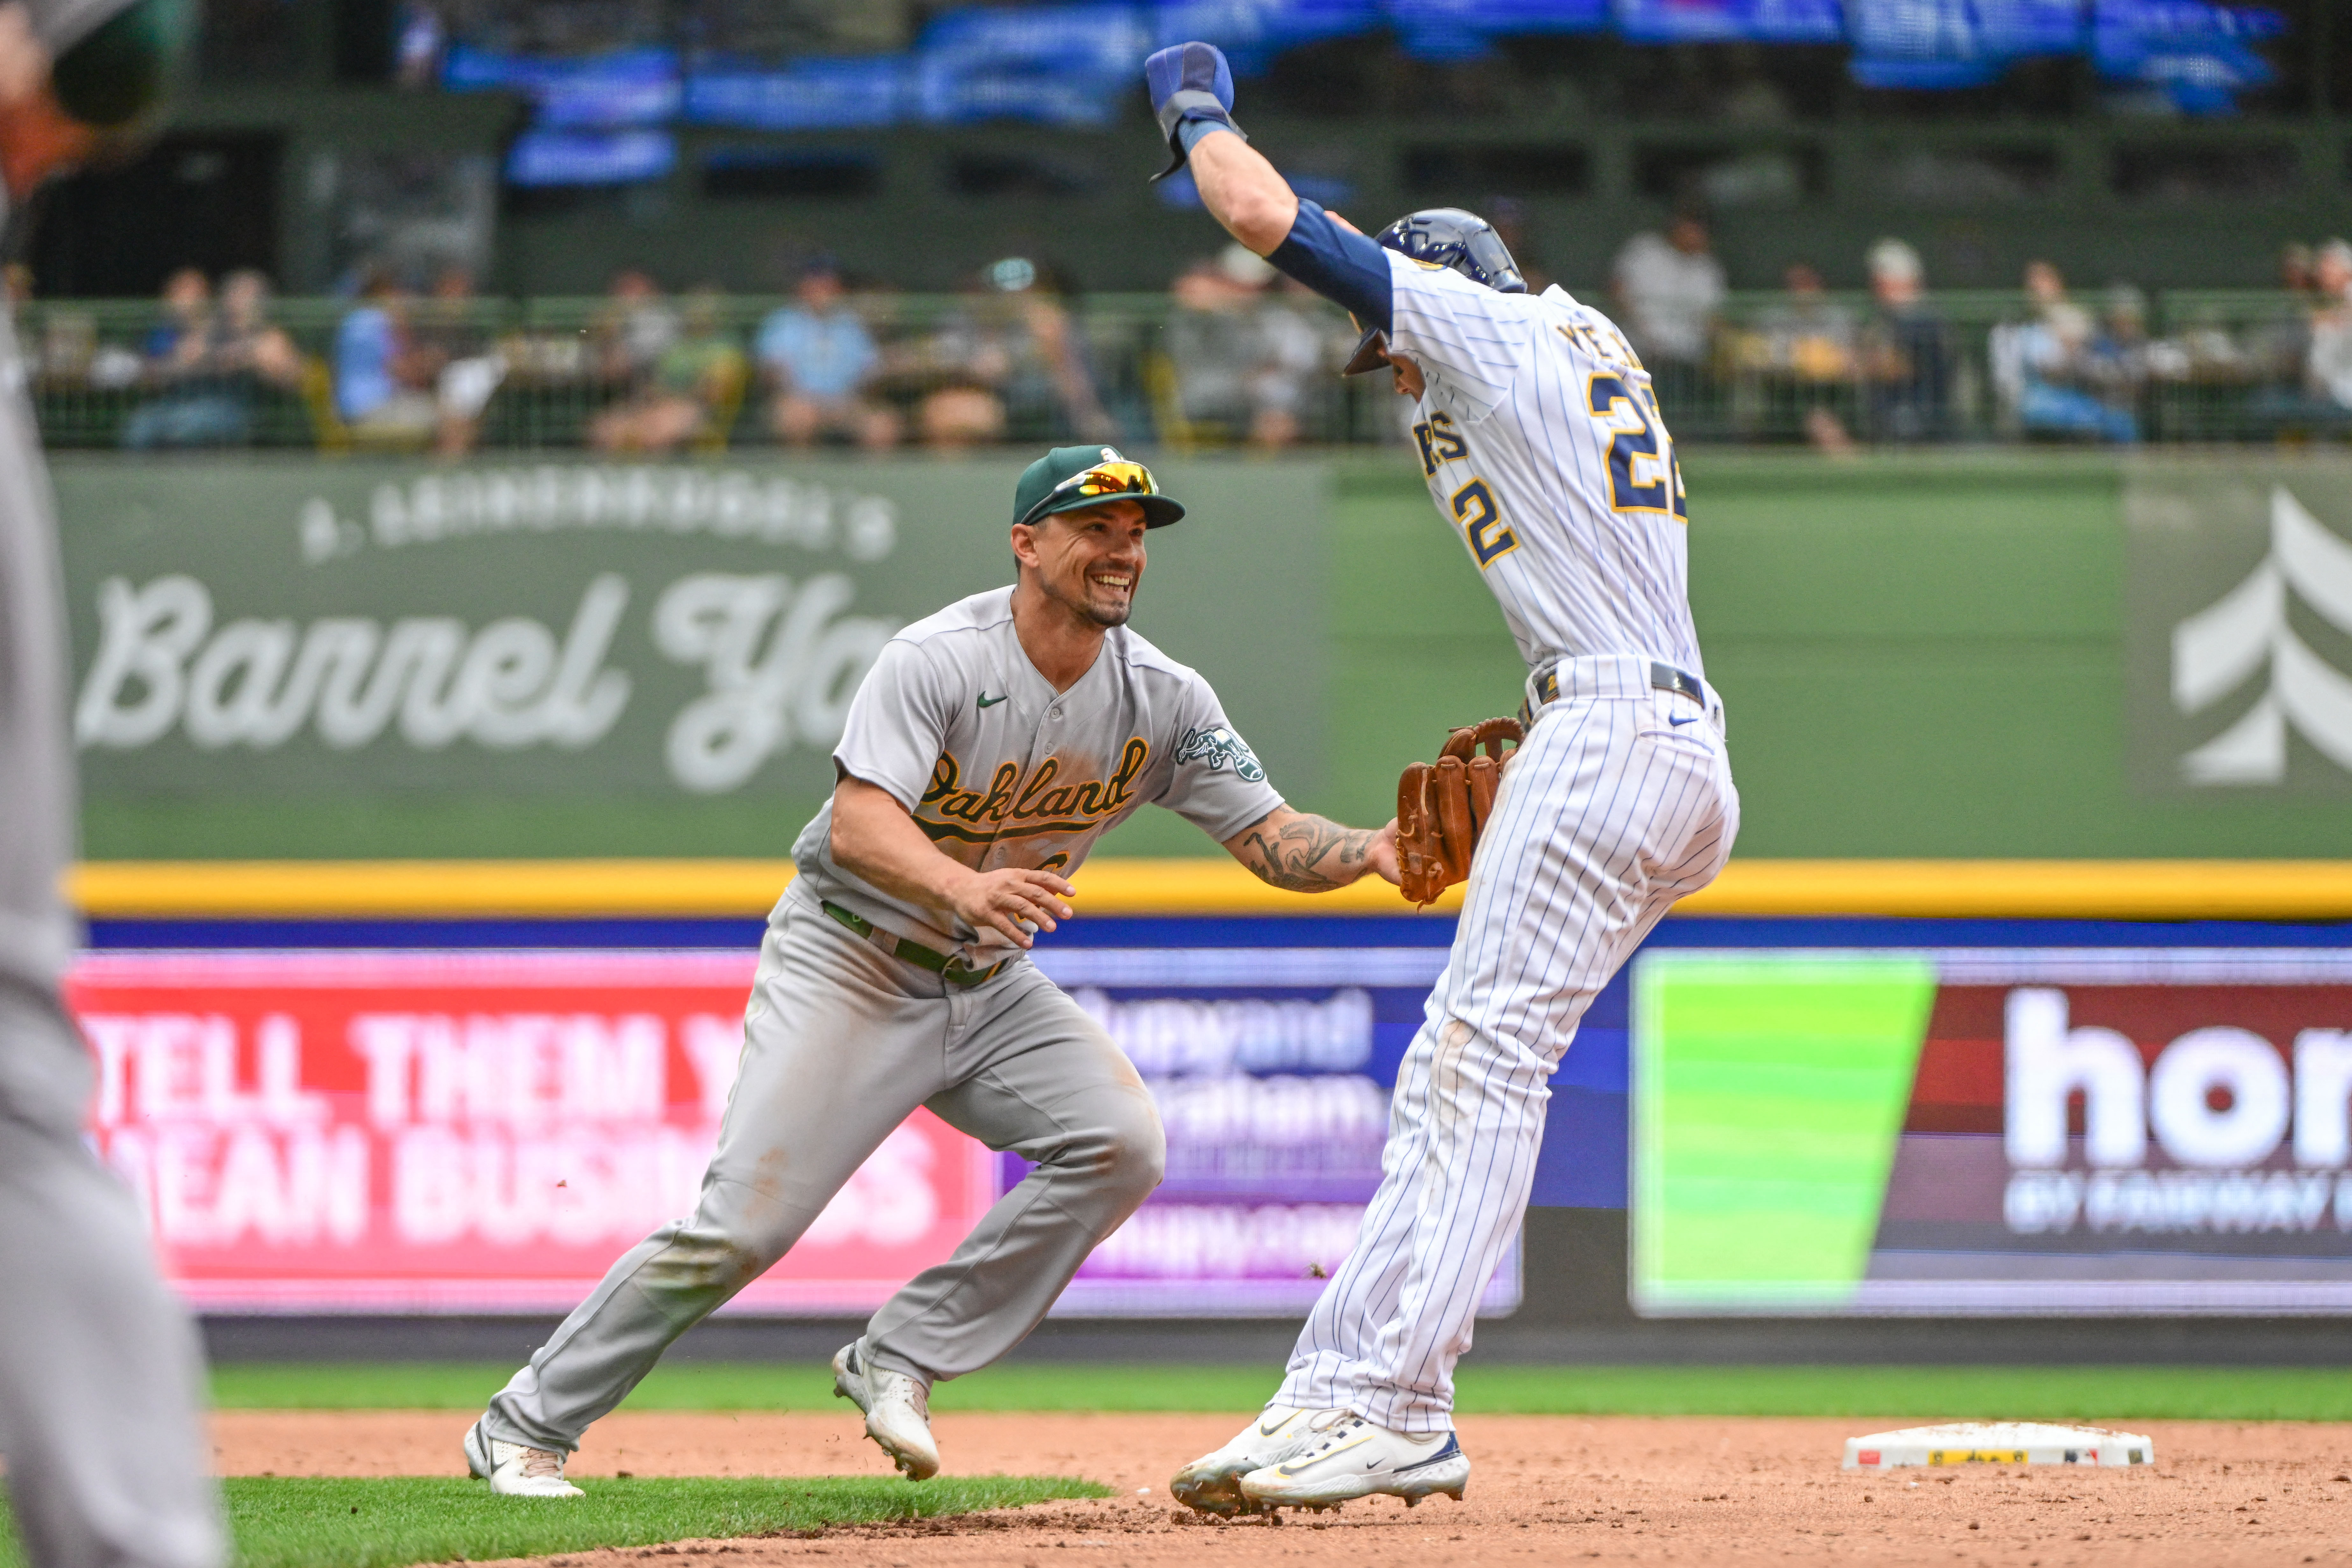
(461,1131)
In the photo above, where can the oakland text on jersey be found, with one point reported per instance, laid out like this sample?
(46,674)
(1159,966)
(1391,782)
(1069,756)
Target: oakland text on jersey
(1015,807)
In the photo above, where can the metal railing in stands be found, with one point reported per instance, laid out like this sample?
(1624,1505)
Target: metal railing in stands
(2213,366)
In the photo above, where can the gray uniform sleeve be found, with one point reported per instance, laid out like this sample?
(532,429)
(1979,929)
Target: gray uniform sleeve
(1217,783)
(898,724)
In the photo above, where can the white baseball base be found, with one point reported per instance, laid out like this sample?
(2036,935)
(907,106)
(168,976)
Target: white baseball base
(1998,1443)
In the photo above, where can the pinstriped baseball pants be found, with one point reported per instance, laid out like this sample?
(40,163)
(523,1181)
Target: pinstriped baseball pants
(1619,804)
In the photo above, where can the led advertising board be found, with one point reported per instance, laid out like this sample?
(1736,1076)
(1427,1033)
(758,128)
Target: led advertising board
(1992,1131)
(486,1132)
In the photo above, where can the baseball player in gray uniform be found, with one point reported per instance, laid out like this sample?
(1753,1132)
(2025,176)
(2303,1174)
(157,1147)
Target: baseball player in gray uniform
(988,749)
(100,1372)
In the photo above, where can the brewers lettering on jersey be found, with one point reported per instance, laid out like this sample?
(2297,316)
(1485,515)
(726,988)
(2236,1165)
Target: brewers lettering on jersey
(990,748)
(1537,431)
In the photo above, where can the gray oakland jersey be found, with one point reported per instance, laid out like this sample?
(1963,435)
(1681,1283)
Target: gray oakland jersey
(999,770)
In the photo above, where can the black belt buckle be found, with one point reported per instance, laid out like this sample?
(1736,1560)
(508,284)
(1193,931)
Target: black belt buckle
(1666,678)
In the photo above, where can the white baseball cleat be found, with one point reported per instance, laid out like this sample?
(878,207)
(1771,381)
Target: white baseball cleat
(514,1470)
(1213,1483)
(897,1411)
(1357,1459)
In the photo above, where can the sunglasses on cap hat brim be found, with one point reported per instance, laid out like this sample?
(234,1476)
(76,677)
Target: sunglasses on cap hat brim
(1104,481)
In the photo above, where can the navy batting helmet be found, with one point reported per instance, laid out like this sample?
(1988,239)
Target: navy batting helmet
(1443,237)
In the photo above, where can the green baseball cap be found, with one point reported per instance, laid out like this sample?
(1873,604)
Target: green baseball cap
(1068,478)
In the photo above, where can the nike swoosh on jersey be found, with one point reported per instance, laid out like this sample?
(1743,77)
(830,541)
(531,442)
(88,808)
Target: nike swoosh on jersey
(1672,720)
(988,702)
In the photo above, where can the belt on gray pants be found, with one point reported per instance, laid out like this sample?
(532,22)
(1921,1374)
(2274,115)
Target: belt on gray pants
(954,971)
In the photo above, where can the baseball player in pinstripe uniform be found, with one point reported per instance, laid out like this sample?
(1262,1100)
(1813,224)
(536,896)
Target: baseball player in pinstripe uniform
(989,747)
(1535,425)
(100,1371)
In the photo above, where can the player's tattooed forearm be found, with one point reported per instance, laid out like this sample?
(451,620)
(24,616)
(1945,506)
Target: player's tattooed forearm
(1295,855)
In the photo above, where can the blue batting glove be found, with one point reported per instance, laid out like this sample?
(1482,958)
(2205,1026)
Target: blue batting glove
(1195,67)
(1192,93)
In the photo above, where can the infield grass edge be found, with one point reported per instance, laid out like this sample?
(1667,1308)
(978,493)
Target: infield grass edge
(1941,1393)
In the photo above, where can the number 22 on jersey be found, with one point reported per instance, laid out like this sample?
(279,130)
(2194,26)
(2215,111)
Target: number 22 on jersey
(1644,473)
(1474,504)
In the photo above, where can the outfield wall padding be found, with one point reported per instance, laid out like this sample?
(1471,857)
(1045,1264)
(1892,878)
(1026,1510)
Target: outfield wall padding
(1924,655)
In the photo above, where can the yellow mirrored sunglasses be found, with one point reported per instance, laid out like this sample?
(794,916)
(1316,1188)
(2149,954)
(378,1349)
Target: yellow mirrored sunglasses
(1120,478)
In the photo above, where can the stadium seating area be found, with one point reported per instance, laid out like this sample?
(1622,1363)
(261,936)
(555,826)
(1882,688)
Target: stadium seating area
(1203,367)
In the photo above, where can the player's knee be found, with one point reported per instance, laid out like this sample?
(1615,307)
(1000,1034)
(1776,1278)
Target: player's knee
(707,1262)
(1133,1147)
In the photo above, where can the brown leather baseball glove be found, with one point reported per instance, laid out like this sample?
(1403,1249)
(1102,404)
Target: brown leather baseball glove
(1441,809)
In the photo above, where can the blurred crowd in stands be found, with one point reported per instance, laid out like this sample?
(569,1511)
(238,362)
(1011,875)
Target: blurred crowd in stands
(1903,369)
(1234,355)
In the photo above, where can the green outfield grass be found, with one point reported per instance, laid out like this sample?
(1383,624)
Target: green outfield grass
(384,1523)
(2025,1392)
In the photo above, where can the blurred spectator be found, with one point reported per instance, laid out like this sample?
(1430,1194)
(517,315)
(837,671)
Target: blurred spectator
(2120,358)
(248,343)
(1011,360)
(1295,343)
(1242,355)
(1209,343)
(2045,291)
(1806,346)
(467,368)
(187,406)
(692,391)
(176,341)
(1808,334)
(635,328)
(419,38)
(1906,351)
(2297,272)
(819,362)
(2329,370)
(1669,289)
(380,375)
(2201,349)
(2279,349)
(2317,393)
(210,365)
(2045,370)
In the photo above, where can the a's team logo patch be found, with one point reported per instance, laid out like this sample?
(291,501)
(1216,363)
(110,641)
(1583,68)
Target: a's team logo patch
(1218,747)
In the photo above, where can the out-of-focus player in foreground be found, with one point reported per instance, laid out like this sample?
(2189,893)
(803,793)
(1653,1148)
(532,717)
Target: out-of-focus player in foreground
(99,1369)
(988,749)
(1535,425)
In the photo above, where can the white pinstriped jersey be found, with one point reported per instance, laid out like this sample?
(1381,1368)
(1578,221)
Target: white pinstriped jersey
(1546,454)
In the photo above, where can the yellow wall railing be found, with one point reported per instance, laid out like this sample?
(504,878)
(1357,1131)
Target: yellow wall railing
(426,889)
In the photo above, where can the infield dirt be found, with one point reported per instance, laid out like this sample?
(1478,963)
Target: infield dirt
(1543,1489)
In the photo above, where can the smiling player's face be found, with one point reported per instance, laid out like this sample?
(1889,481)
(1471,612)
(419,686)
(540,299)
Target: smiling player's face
(1090,559)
